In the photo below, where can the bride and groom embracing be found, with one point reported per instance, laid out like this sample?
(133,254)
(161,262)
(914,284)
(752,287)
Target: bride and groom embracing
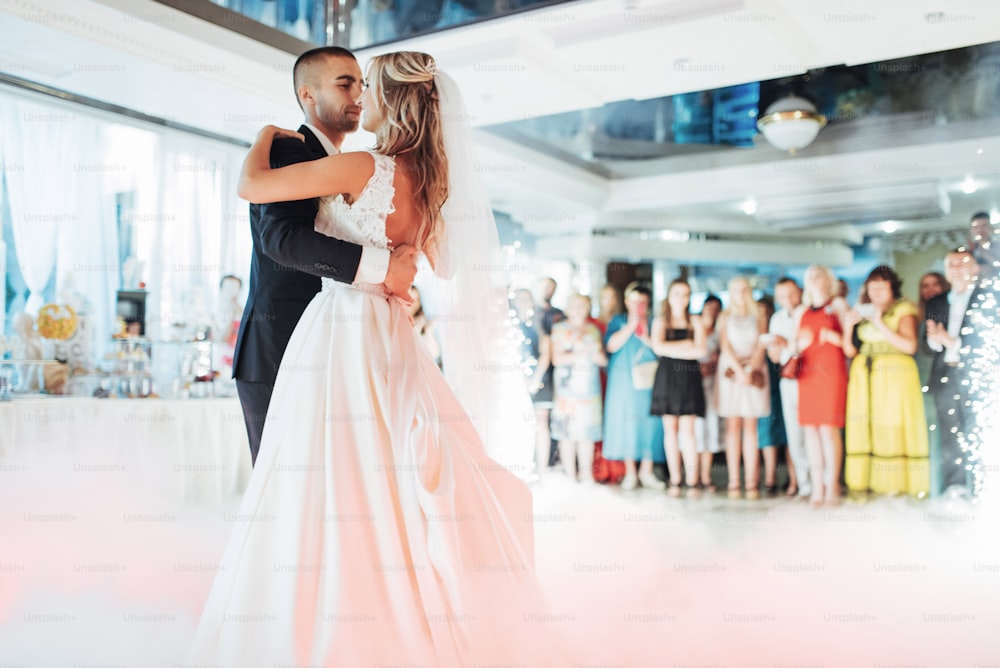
(378,526)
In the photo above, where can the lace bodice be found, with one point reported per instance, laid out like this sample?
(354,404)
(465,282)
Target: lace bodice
(362,222)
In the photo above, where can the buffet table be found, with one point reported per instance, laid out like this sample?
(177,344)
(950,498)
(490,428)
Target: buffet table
(191,451)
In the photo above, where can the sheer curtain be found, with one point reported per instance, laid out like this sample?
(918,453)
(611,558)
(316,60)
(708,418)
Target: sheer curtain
(64,165)
(39,178)
(86,260)
(186,249)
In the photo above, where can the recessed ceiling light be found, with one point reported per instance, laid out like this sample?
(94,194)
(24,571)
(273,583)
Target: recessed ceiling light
(969,185)
(890,226)
(749,206)
(979,151)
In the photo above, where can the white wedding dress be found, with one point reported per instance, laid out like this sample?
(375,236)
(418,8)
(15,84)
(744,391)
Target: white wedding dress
(374,529)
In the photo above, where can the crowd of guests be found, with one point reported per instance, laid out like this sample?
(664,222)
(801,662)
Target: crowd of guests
(842,386)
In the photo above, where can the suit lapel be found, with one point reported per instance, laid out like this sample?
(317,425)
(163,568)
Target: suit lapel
(312,142)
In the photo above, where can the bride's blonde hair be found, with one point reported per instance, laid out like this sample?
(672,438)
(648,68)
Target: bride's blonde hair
(403,86)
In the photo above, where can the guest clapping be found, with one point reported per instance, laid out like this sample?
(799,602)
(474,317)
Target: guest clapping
(630,432)
(886,434)
(948,322)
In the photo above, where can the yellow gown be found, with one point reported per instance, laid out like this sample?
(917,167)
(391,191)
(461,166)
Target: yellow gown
(886,431)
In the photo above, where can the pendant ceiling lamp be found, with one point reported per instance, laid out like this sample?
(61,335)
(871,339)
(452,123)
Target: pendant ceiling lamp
(791,123)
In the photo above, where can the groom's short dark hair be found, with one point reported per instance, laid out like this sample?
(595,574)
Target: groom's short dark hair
(311,56)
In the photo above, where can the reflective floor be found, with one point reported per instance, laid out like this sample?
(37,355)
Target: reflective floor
(104,573)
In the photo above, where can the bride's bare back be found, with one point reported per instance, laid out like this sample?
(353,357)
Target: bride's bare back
(401,225)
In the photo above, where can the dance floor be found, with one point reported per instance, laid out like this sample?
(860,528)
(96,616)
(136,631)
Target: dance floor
(96,570)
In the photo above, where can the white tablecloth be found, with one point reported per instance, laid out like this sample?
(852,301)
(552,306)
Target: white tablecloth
(190,451)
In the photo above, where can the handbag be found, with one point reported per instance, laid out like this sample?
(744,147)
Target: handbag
(643,373)
(792,368)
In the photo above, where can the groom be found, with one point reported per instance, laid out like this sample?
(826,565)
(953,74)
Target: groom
(289,257)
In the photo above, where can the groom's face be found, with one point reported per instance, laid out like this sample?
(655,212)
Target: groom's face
(335,92)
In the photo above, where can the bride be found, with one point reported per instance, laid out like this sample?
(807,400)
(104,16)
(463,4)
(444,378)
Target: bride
(375,528)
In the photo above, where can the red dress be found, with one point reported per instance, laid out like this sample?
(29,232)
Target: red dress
(822,372)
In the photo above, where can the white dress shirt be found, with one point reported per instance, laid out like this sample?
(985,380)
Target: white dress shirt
(784,323)
(374,261)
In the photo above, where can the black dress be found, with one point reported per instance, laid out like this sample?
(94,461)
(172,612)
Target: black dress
(677,389)
(530,352)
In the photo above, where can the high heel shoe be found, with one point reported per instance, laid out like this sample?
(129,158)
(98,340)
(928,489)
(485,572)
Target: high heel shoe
(734,492)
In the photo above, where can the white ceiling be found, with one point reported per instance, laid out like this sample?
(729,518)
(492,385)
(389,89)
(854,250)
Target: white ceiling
(148,57)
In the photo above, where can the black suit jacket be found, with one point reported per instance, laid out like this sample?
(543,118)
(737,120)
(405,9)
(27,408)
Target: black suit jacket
(938,309)
(289,257)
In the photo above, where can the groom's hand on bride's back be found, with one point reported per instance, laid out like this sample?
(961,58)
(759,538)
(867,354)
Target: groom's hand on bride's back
(401,272)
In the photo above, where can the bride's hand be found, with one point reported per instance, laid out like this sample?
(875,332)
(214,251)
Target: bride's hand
(275,132)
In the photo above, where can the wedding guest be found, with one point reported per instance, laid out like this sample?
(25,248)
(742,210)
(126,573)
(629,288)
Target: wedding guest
(742,385)
(887,449)
(536,356)
(550,315)
(678,394)
(981,244)
(609,305)
(947,325)
(707,428)
(932,284)
(228,317)
(630,432)
(781,350)
(977,369)
(819,339)
(577,355)
(771,428)
(843,290)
